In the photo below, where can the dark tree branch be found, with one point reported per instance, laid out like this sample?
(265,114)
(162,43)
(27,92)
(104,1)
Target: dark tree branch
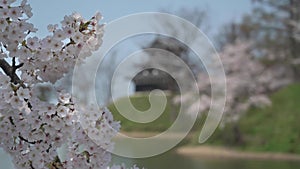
(13,61)
(27,141)
(11,71)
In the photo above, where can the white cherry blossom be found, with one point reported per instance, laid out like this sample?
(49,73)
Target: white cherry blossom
(32,126)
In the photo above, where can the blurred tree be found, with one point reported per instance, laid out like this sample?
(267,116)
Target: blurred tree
(233,31)
(199,19)
(280,16)
(272,26)
(172,46)
(269,62)
(248,83)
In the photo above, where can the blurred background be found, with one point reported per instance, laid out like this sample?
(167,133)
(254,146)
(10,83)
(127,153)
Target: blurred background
(258,42)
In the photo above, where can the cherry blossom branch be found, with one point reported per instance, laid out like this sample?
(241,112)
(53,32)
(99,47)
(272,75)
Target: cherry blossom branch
(27,141)
(34,127)
(11,71)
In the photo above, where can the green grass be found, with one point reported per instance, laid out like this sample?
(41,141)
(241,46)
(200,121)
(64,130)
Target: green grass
(141,103)
(275,128)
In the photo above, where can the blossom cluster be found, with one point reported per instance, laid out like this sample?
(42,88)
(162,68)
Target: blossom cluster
(33,128)
(248,82)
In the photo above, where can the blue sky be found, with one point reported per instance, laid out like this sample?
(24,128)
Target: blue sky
(52,12)
(220,11)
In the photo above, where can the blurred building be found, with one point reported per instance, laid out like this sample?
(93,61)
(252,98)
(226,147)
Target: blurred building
(150,79)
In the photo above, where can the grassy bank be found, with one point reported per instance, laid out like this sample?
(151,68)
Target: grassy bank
(141,102)
(272,129)
(222,152)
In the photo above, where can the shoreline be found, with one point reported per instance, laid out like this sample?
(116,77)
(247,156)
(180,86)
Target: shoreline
(221,152)
(209,151)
